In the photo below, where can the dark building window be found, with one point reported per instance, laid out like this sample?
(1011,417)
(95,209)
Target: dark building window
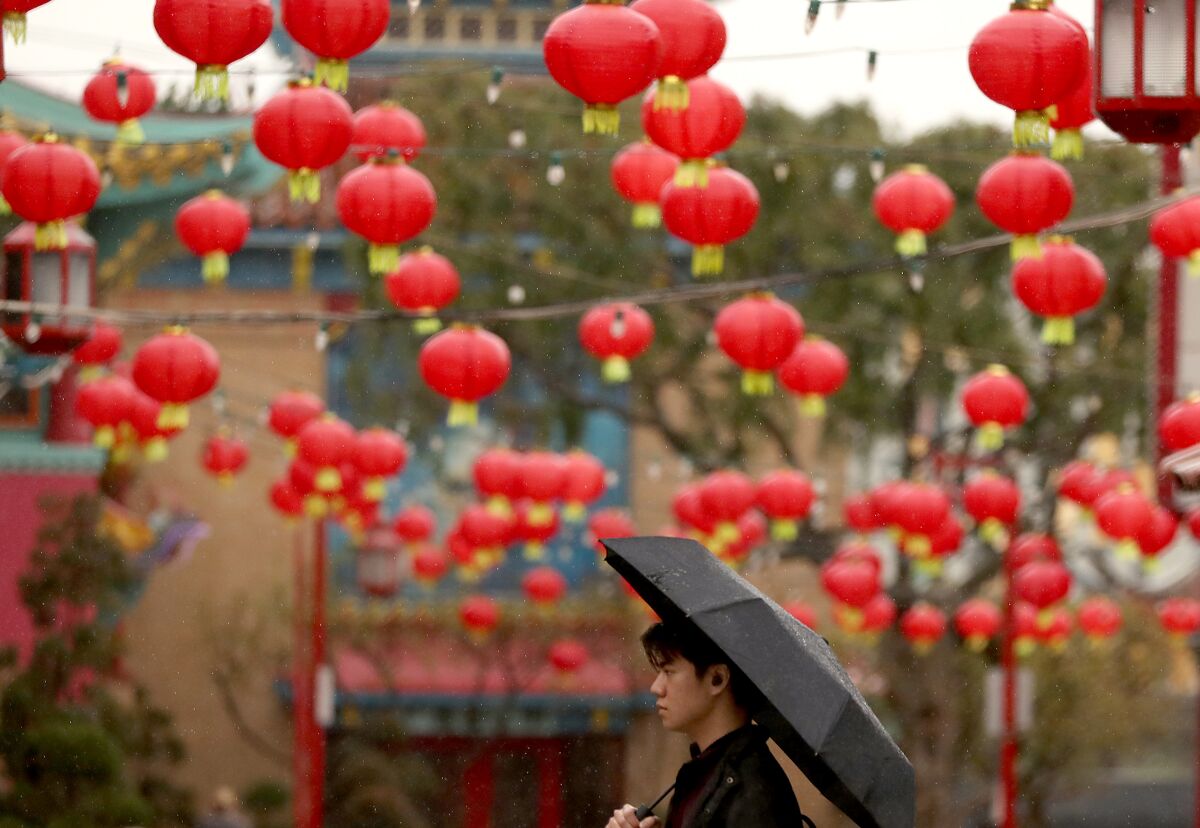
(435,27)
(470,27)
(506,29)
(539,28)
(398,26)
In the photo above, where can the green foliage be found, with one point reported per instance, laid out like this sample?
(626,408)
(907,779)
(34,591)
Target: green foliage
(369,787)
(267,804)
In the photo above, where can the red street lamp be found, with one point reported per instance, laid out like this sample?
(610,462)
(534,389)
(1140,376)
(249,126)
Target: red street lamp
(65,277)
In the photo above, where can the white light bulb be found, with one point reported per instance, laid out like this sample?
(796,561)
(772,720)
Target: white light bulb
(556,174)
(493,92)
(516,294)
(413,5)
(321,342)
(33,331)
(516,138)
(782,170)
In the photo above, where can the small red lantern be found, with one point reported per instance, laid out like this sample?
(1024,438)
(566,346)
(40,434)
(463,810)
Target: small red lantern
(429,565)
(1179,426)
(423,283)
(480,615)
(105,404)
(710,124)
(725,496)
(616,333)
(47,182)
(1122,514)
(977,622)
(10,142)
(542,476)
(583,485)
(465,364)
(1055,632)
(213,34)
(853,584)
(1099,618)
(1074,479)
(291,411)
(921,510)
(816,369)
(1072,112)
(758,332)
(786,497)
(497,475)
(386,126)
(224,456)
(945,541)
(377,561)
(151,437)
(602,53)
(1028,60)
(639,172)
(120,94)
(1025,194)
(1026,629)
(325,443)
(1180,617)
(64,277)
(1157,534)
(693,38)
(995,400)
(993,502)
(545,586)
(1064,282)
(100,348)
(802,612)
(689,510)
(861,514)
(286,499)
(387,203)
(535,535)
(214,227)
(1175,230)
(879,614)
(610,523)
(175,367)
(335,31)
(304,128)
(1030,547)
(912,203)
(1042,584)
(414,524)
(378,454)
(568,656)
(710,217)
(484,532)
(923,625)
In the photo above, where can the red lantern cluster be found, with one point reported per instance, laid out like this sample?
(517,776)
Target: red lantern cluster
(852,579)
(290,411)
(912,203)
(1063,283)
(616,333)
(213,34)
(213,226)
(120,94)
(378,454)
(639,172)
(1074,111)
(465,364)
(224,456)
(1099,618)
(304,129)
(1180,617)
(584,482)
(335,31)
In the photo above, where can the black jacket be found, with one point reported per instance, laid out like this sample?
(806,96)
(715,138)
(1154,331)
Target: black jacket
(736,783)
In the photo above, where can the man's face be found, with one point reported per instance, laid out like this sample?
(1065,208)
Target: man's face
(683,698)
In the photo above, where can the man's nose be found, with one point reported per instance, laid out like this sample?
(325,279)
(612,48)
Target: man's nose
(659,686)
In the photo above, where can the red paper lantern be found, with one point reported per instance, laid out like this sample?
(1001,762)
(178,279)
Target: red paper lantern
(1175,230)
(710,217)
(464,363)
(335,31)
(1055,631)
(304,129)
(802,612)
(1065,281)
(689,510)
(615,333)
(1028,60)
(414,524)
(1180,617)
(291,411)
(487,533)
(105,404)
(213,34)
(175,367)
(568,656)
(429,565)
(542,477)
(945,541)
(1179,425)
(423,283)
(815,370)
(1074,480)
(1042,584)
(758,332)
(602,53)
(610,523)
(497,475)
(479,614)
(1122,514)
(47,182)
(639,172)
(1157,534)
(923,625)
(583,484)
(535,535)
(786,497)
(852,583)
(214,227)
(995,400)
(151,437)
(1099,618)
(10,142)
(286,499)
(993,502)
(224,456)
(1030,547)
(325,443)
(921,510)
(387,203)
(912,203)
(977,622)
(386,126)
(725,496)
(861,513)
(693,38)
(710,124)
(378,453)
(545,586)
(120,94)
(879,614)
(100,348)
(1103,482)
(1072,112)
(752,531)
(1026,630)
(1025,195)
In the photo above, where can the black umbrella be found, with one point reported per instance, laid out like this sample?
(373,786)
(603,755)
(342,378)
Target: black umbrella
(809,705)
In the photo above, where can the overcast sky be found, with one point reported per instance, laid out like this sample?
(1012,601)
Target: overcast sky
(922,78)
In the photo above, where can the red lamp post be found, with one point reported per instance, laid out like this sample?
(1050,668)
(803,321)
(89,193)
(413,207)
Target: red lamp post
(65,277)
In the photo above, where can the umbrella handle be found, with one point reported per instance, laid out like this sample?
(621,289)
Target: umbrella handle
(644,811)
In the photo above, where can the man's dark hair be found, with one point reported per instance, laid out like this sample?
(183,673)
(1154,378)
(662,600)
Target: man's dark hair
(665,641)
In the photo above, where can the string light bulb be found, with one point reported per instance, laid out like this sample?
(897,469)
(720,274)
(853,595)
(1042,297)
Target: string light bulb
(33,330)
(516,139)
(413,6)
(875,165)
(493,87)
(227,158)
(810,19)
(916,275)
(321,340)
(516,294)
(872,63)
(556,173)
(782,170)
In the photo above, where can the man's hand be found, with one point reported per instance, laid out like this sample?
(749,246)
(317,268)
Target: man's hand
(627,818)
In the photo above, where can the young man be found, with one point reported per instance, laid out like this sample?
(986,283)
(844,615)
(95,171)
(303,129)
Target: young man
(732,780)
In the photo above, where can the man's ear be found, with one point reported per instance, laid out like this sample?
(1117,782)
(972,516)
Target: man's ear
(718,678)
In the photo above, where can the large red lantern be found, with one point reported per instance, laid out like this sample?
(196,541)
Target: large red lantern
(1025,194)
(639,172)
(568,656)
(693,38)
(1122,514)
(497,474)
(815,370)
(335,31)
(786,497)
(602,53)
(175,367)
(583,484)
(213,34)
(1180,617)
(386,126)
(977,621)
(47,182)
(213,226)
(479,615)
(921,510)
(923,625)
(610,523)
(101,347)
(690,512)
(290,411)
(10,142)
(710,217)
(120,94)
(105,404)
(423,283)
(912,203)
(1157,534)
(1028,60)
(545,586)
(995,400)
(304,128)
(1179,427)
(616,333)
(1099,618)
(325,443)
(758,332)
(1075,480)
(1042,584)
(378,454)
(464,363)
(151,437)
(878,615)
(224,456)
(1175,230)
(710,124)
(414,524)
(993,502)
(1067,280)
(387,203)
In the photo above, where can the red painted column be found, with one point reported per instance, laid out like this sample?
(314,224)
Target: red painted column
(1167,352)
(317,733)
(1008,748)
(550,784)
(479,789)
(301,688)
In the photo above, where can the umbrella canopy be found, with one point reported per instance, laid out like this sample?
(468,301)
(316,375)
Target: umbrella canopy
(809,705)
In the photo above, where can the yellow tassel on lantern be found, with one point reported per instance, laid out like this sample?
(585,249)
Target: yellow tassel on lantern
(51,235)
(784,529)
(1025,646)
(1068,145)
(692,173)
(382,258)
(426,325)
(154,450)
(498,505)
(1059,330)
(574,512)
(374,490)
(990,436)
(212,81)
(540,514)
(1150,565)
(462,413)
(911,243)
(1025,247)
(104,437)
(316,506)
(1031,129)
(976,643)
(534,551)
(849,618)
(5,207)
(172,417)
(328,479)
(923,646)
(15,25)
(1127,549)
(214,266)
(304,185)
(1193,264)
(758,383)
(646,216)
(918,546)
(332,72)
(672,93)
(929,567)
(225,479)
(708,260)
(615,369)
(130,133)
(812,405)
(602,119)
